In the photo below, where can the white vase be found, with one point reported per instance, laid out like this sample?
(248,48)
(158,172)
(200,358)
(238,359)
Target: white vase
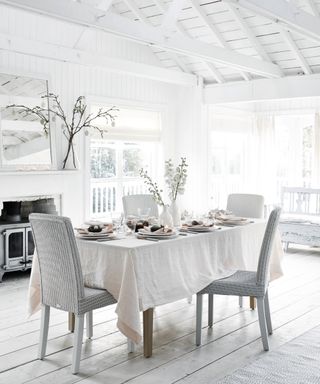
(72,160)
(175,213)
(165,217)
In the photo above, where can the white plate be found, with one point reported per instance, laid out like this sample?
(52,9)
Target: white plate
(160,236)
(146,232)
(85,232)
(95,236)
(198,229)
(233,223)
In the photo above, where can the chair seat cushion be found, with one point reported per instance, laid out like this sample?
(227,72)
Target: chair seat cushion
(93,299)
(241,283)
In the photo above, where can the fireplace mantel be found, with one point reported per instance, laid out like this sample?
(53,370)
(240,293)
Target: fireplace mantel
(35,172)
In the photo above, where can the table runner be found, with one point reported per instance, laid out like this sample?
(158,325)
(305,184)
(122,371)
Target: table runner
(141,274)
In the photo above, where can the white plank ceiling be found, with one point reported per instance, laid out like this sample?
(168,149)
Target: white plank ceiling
(249,38)
(221,23)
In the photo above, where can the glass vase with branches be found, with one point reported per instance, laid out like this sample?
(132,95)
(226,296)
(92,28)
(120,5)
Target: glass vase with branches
(153,187)
(80,119)
(176,178)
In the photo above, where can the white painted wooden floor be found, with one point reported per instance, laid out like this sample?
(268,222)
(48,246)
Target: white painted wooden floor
(232,343)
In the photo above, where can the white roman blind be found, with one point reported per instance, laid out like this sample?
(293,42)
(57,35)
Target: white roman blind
(131,123)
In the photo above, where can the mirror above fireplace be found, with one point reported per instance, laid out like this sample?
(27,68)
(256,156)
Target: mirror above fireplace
(24,144)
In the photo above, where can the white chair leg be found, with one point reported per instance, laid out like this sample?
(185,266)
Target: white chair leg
(199,319)
(78,335)
(89,324)
(210,310)
(44,328)
(131,346)
(267,311)
(240,301)
(262,323)
(189,299)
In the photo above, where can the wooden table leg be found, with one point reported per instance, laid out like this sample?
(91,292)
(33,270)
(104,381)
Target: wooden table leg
(71,320)
(147,332)
(252,302)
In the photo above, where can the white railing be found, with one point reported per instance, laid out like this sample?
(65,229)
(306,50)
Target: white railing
(220,187)
(106,195)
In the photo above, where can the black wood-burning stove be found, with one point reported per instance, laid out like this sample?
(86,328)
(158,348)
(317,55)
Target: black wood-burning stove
(16,240)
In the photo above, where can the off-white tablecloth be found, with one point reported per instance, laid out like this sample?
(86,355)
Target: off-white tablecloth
(142,274)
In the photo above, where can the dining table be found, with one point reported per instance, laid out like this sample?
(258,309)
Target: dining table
(143,274)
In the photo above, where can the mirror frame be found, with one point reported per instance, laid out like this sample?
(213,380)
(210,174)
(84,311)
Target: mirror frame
(32,167)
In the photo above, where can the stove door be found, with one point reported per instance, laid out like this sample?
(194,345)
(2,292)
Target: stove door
(30,247)
(15,247)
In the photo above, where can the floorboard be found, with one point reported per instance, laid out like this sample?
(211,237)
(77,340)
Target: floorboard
(233,342)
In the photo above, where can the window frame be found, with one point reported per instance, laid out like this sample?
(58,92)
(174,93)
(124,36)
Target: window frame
(162,109)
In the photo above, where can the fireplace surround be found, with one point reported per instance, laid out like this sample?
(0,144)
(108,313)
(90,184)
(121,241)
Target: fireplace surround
(16,240)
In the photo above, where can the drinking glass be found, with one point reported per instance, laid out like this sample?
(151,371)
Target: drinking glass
(117,222)
(143,213)
(130,225)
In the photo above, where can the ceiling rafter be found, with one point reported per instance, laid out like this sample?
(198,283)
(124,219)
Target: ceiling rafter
(205,19)
(135,10)
(286,14)
(105,5)
(293,46)
(145,34)
(248,32)
(170,17)
(182,65)
(285,33)
(210,66)
(140,16)
(160,5)
(314,8)
(263,89)
(215,72)
(214,30)
(93,60)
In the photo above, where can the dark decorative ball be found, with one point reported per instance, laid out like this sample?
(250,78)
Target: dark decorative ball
(94,228)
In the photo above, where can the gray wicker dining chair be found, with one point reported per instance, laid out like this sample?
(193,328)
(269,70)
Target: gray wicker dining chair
(62,284)
(246,283)
(246,205)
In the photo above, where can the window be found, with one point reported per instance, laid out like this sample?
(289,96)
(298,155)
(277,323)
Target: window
(115,161)
(260,155)
(228,151)
(294,138)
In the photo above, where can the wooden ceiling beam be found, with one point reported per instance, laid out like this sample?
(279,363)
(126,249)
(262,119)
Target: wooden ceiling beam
(91,59)
(145,34)
(286,14)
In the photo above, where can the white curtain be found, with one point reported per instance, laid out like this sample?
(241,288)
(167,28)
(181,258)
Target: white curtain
(316,156)
(264,158)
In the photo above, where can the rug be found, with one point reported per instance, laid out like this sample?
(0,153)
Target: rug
(296,362)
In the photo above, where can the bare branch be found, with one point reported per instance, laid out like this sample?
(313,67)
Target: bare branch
(79,120)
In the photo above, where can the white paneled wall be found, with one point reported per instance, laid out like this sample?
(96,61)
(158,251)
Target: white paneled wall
(71,80)
(192,141)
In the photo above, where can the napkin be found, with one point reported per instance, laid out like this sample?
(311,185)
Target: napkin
(199,224)
(84,230)
(223,217)
(231,220)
